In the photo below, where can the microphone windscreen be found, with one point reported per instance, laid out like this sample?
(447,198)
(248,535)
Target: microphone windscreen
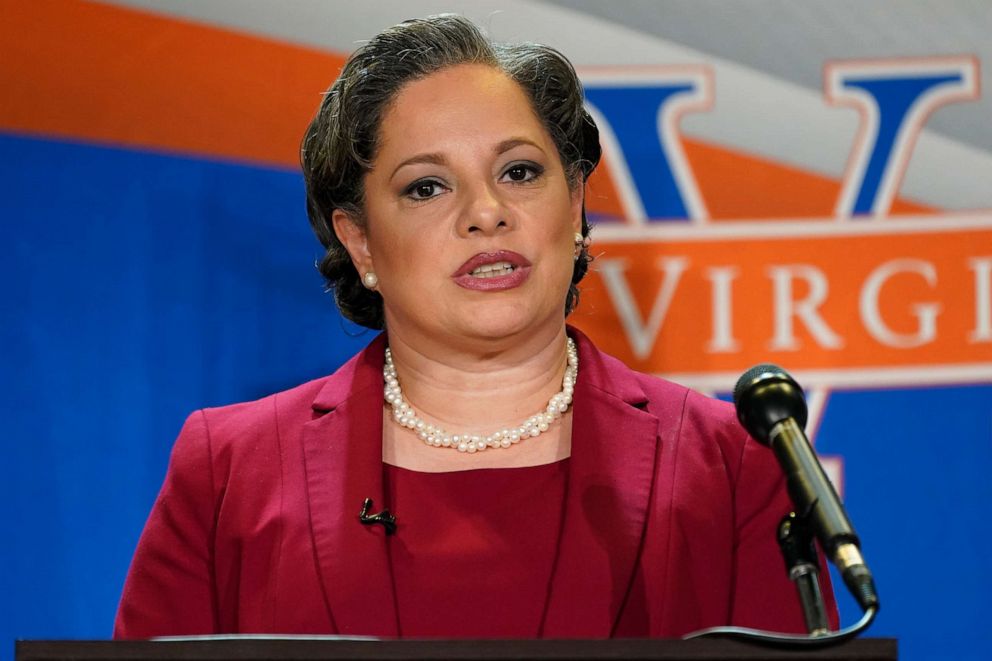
(766,395)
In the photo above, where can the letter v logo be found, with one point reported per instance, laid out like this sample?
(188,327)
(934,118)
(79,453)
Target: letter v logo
(895,97)
(641,335)
(638,114)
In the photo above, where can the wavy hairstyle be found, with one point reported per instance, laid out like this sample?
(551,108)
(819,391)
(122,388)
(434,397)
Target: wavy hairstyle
(341,142)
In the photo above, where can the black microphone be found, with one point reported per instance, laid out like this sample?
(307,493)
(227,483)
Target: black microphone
(383,518)
(771,406)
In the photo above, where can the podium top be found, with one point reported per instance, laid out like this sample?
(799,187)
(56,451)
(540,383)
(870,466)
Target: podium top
(301,648)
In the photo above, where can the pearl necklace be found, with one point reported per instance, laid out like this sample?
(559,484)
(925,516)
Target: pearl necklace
(433,435)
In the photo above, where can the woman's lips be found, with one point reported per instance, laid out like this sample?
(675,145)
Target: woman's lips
(493,271)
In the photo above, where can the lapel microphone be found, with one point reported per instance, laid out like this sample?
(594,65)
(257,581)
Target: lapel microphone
(383,518)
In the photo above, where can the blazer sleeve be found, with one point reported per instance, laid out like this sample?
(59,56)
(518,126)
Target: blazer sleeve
(169,587)
(763,596)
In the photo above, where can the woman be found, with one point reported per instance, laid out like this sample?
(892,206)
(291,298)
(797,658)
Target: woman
(540,488)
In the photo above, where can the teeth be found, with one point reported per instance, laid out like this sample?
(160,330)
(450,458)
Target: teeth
(493,270)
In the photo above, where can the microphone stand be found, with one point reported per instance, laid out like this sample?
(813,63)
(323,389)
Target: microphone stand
(795,540)
(796,543)
(771,406)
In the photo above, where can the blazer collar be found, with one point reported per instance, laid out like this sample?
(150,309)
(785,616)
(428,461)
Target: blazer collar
(342,449)
(614,444)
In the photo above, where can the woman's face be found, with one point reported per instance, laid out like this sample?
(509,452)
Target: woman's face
(470,218)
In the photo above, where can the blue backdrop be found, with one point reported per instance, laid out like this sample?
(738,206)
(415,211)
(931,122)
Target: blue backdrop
(139,287)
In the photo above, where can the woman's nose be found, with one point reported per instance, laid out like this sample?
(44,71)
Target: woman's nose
(483,212)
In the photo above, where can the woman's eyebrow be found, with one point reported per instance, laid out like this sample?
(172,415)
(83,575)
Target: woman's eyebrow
(431,159)
(510,143)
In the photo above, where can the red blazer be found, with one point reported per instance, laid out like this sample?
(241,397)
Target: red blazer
(670,516)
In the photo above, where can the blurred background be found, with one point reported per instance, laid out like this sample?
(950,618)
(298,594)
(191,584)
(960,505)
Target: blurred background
(801,182)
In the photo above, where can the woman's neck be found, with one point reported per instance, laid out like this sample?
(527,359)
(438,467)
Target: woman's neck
(482,389)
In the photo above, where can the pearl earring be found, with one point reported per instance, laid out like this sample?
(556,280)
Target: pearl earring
(370,280)
(580,243)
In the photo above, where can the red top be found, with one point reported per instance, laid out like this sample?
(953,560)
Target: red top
(495,534)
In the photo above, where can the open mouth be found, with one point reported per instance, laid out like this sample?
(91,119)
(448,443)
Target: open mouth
(493,270)
(497,270)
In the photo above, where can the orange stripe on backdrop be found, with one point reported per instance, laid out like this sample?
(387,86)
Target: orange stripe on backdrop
(847,266)
(743,186)
(102,73)
(739,186)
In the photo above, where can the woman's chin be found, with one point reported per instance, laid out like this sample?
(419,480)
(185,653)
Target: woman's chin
(483,321)
(498,322)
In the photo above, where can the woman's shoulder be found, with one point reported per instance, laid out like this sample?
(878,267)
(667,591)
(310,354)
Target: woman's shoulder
(250,445)
(303,402)
(263,412)
(701,418)
(660,396)
(243,434)
(703,427)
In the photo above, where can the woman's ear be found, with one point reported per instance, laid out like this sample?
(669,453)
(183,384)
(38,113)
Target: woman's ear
(353,238)
(578,196)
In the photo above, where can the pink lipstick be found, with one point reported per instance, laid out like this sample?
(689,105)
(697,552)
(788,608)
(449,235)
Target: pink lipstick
(493,271)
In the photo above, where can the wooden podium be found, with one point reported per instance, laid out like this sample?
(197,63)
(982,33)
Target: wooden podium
(302,648)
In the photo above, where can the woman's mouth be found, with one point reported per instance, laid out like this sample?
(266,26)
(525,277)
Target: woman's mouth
(493,271)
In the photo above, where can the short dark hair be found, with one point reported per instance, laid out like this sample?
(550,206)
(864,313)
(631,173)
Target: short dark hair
(342,140)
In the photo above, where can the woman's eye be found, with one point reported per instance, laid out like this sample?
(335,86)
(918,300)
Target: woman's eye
(522,172)
(424,190)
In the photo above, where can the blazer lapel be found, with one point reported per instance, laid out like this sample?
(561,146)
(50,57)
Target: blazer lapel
(614,444)
(343,456)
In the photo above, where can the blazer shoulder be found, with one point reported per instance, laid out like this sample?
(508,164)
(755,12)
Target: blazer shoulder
(692,405)
(254,436)
(702,422)
(686,418)
(227,424)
